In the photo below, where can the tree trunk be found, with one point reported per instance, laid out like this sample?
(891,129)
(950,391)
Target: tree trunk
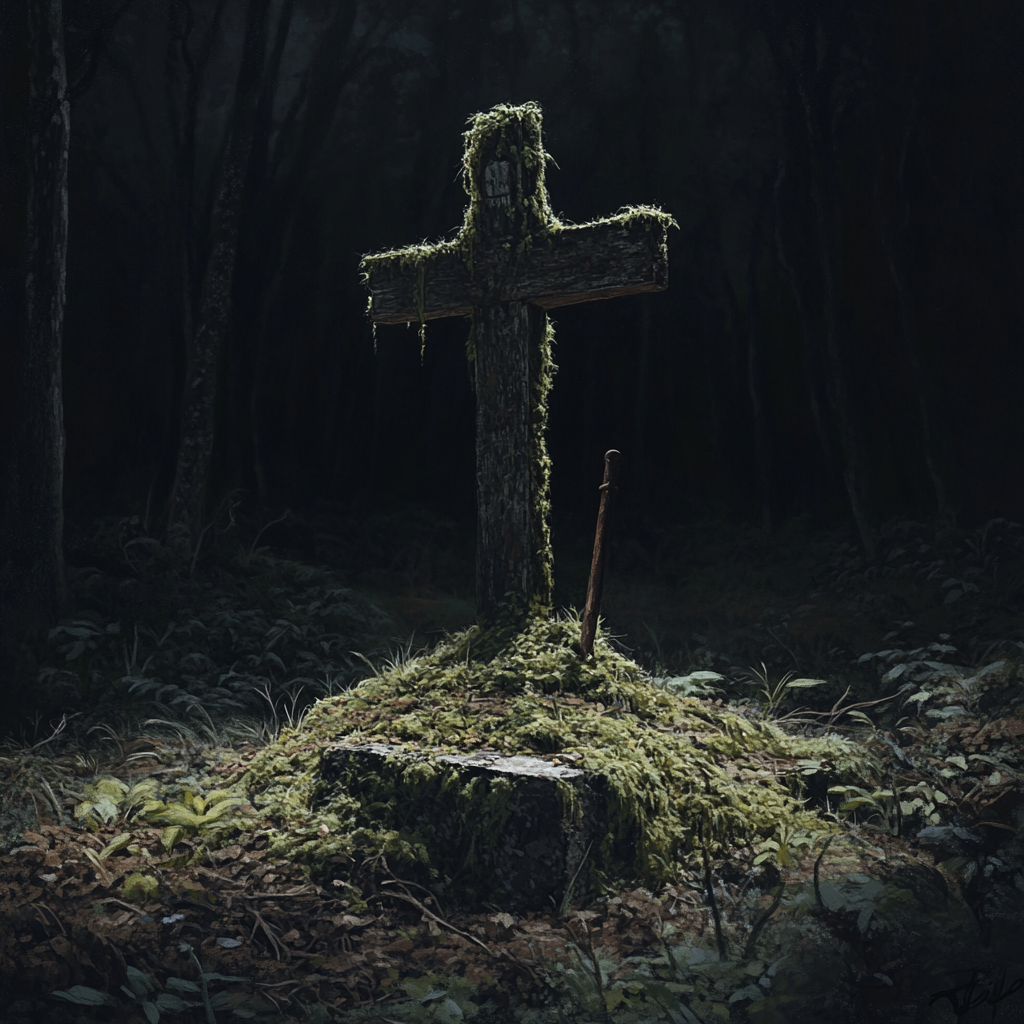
(894,242)
(895,257)
(755,373)
(800,278)
(256,277)
(195,449)
(827,217)
(32,570)
(806,53)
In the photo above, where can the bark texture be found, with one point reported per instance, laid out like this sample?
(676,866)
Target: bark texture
(32,570)
(505,569)
(574,264)
(195,450)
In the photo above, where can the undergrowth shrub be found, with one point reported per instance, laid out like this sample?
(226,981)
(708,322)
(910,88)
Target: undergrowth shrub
(230,642)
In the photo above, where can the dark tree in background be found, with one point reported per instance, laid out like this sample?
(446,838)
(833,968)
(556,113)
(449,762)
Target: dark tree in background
(903,61)
(807,42)
(842,332)
(36,115)
(206,343)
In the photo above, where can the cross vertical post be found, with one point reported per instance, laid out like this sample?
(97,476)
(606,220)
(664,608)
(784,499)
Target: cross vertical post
(510,262)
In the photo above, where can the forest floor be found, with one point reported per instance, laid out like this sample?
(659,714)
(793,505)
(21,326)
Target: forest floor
(914,911)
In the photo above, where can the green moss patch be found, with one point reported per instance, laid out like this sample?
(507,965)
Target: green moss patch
(683,776)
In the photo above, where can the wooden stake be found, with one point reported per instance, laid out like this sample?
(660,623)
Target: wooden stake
(593,605)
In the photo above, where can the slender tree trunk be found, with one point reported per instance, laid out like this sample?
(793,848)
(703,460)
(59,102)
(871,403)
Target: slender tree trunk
(258,257)
(827,216)
(893,233)
(895,258)
(755,373)
(195,449)
(805,293)
(806,52)
(32,568)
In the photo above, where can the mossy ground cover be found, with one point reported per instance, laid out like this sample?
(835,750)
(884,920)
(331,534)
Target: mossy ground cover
(685,777)
(102,882)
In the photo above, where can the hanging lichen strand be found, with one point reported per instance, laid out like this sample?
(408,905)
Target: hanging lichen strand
(540,471)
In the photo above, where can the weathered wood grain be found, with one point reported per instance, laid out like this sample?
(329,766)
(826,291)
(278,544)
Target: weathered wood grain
(580,263)
(505,333)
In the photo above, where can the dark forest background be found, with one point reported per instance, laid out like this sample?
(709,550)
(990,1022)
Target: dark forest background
(841,335)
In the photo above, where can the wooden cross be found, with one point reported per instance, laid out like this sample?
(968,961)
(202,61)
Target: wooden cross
(511,261)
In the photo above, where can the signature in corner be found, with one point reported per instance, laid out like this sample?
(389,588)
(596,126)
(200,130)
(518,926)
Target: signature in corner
(982,987)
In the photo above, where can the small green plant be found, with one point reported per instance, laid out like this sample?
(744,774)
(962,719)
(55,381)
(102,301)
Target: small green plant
(108,798)
(893,807)
(139,887)
(856,798)
(787,846)
(776,693)
(430,999)
(695,684)
(193,813)
(177,996)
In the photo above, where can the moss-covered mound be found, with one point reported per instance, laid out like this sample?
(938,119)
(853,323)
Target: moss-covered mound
(684,776)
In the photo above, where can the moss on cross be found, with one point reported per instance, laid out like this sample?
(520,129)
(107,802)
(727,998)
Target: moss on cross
(510,262)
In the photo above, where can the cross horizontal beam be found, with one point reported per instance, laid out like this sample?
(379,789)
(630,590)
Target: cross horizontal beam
(620,255)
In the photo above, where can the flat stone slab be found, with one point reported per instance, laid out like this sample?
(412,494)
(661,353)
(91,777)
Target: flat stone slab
(509,830)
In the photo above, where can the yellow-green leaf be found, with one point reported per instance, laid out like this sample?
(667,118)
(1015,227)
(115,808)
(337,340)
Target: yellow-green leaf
(108,786)
(218,811)
(101,807)
(144,789)
(218,795)
(118,843)
(171,836)
(175,814)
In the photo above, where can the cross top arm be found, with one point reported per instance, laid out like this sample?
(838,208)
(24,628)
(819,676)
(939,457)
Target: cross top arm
(511,246)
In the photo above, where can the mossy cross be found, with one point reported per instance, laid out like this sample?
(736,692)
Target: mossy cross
(511,261)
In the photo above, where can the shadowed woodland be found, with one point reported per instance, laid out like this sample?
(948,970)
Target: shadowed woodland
(226,496)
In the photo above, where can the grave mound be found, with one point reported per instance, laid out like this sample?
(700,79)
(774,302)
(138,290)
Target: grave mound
(445,765)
